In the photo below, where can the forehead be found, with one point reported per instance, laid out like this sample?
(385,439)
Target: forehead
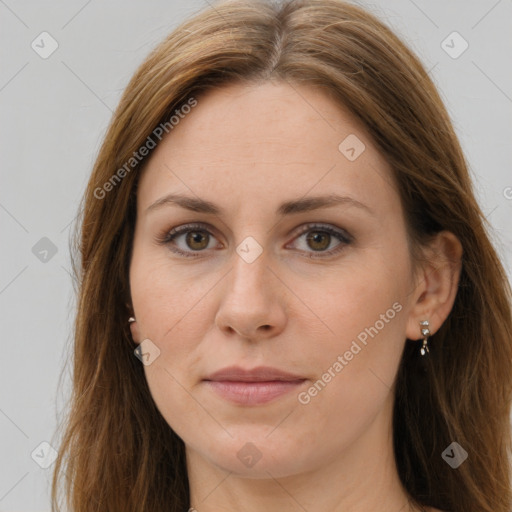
(266,142)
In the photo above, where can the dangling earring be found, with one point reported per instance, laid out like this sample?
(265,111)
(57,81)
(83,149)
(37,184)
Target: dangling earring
(131,319)
(425,332)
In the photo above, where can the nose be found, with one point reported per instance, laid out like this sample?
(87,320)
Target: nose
(252,301)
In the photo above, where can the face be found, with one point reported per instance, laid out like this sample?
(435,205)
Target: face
(251,271)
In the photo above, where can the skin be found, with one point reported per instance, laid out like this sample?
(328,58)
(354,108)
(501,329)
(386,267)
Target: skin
(248,149)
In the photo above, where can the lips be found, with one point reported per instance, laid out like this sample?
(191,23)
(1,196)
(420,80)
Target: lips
(259,374)
(252,387)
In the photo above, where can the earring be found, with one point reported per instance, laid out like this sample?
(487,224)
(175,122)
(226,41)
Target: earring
(425,332)
(131,319)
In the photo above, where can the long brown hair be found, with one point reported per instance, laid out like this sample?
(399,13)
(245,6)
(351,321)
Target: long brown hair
(117,451)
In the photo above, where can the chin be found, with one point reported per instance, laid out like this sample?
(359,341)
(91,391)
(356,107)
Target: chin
(258,455)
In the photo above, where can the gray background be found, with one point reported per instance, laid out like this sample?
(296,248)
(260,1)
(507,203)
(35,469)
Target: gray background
(54,113)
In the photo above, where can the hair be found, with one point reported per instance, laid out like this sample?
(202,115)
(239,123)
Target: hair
(117,451)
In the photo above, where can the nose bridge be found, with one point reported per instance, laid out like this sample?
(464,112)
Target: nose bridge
(251,251)
(253,269)
(249,275)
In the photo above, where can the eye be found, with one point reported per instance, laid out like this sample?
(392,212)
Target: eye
(197,239)
(319,237)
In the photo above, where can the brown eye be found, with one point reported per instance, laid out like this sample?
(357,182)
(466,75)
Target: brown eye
(193,240)
(318,240)
(189,240)
(197,240)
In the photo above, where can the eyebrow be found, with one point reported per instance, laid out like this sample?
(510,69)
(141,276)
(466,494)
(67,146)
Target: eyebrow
(301,205)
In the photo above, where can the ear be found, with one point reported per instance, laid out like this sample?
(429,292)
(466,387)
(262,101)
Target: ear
(134,328)
(436,284)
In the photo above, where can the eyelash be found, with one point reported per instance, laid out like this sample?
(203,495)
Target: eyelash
(169,236)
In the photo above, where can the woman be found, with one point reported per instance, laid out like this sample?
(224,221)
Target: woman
(287,296)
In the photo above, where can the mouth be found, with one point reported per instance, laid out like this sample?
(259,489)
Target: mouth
(252,387)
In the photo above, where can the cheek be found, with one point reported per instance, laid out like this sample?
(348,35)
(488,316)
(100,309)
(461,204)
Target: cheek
(171,311)
(164,297)
(366,313)
(356,366)
(363,296)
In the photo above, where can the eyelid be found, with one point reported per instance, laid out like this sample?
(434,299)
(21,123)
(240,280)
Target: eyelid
(342,235)
(167,236)
(322,226)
